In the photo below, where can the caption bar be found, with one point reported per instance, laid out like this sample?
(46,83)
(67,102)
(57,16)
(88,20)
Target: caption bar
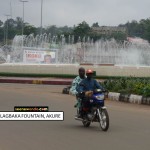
(30,108)
(32,116)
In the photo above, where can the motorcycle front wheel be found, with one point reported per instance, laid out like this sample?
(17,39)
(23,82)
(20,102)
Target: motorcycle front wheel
(103,119)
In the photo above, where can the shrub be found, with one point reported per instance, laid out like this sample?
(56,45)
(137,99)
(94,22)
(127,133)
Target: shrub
(129,85)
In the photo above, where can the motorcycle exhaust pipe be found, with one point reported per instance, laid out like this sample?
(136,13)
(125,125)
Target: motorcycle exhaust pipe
(80,119)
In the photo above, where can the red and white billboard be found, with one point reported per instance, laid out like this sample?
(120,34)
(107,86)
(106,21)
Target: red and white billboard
(36,56)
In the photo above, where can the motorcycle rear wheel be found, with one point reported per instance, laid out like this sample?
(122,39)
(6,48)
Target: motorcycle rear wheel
(86,123)
(104,121)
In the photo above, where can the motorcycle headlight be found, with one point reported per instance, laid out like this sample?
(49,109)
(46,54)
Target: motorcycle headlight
(100,97)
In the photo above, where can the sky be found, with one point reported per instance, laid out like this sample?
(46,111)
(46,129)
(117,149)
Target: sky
(73,12)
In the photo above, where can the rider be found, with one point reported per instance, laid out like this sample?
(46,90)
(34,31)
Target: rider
(75,83)
(88,84)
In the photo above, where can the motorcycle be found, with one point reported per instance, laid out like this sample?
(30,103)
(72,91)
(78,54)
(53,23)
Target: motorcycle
(93,110)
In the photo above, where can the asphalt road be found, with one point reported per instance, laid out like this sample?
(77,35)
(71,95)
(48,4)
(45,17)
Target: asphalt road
(129,123)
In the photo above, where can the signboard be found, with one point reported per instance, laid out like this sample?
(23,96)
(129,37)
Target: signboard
(36,56)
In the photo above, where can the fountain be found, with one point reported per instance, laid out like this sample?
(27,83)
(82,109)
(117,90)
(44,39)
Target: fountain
(63,51)
(100,52)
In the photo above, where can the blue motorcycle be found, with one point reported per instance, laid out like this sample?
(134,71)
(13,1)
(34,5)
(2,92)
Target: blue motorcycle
(93,109)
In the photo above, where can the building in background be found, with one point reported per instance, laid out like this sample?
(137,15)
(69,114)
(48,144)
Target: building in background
(107,30)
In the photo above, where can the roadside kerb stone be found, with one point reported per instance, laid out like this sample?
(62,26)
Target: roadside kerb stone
(145,100)
(113,96)
(124,97)
(137,99)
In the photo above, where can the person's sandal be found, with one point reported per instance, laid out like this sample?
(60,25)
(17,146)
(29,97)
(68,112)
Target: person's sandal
(75,105)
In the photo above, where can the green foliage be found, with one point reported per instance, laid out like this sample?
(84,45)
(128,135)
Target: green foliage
(95,24)
(1,34)
(138,29)
(146,90)
(1,23)
(119,36)
(129,85)
(28,29)
(81,30)
(134,28)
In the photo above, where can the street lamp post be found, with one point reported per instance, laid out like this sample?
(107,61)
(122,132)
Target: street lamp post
(6,34)
(23,1)
(41,15)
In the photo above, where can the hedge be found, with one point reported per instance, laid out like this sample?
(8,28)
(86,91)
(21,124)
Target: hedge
(130,85)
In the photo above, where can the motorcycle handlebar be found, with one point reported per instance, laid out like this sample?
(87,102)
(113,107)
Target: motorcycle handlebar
(94,91)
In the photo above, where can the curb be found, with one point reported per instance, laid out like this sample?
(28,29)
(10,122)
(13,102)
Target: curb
(37,81)
(129,98)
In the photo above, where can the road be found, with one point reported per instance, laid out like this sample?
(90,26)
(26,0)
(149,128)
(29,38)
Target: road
(129,123)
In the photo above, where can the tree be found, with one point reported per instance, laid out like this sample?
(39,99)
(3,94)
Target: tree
(29,29)
(81,30)
(10,25)
(52,29)
(146,25)
(1,23)
(1,34)
(119,36)
(139,29)
(19,23)
(95,24)
(1,31)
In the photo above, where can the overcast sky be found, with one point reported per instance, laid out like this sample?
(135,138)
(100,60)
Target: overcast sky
(73,12)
